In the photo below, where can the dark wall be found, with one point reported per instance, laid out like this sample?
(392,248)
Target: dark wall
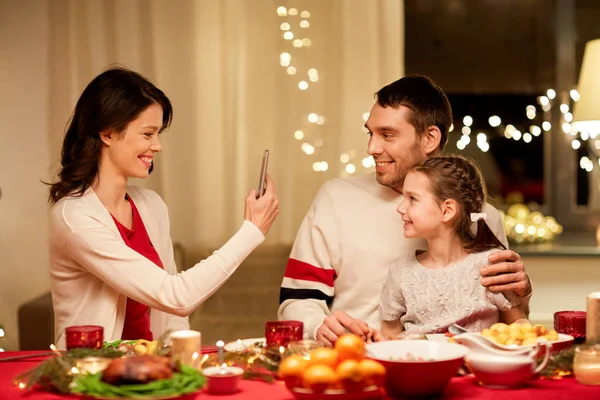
(490,46)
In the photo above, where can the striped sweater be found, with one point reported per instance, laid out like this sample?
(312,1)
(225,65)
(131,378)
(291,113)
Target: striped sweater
(344,248)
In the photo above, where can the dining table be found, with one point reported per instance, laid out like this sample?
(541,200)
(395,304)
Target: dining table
(465,387)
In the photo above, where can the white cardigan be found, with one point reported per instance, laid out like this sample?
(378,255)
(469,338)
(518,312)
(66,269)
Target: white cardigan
(92,271)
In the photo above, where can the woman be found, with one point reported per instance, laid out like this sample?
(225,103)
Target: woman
(111,256)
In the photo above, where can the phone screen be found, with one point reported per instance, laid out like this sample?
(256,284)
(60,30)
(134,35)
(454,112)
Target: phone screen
(262,183)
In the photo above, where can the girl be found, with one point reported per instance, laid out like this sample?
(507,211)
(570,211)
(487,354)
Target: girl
(433,289)
(111,256)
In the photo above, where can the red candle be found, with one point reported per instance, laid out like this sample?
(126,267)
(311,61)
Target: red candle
(84,336)
(571,323)
(280,333)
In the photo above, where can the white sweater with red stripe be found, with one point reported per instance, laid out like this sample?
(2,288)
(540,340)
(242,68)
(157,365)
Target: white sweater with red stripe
(345,246)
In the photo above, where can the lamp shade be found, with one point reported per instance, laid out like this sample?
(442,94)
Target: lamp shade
(586,113)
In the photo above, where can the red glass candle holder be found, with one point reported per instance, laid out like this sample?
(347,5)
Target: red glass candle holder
(280,333)
(571,323)
(84,336)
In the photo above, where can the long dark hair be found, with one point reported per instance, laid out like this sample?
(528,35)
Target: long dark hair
(459,178)
(109,102)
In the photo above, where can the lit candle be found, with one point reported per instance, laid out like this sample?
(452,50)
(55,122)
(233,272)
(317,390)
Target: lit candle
(592,325)
(220,351)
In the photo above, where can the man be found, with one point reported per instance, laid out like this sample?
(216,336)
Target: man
(352,234)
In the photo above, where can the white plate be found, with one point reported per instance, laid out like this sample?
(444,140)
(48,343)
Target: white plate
(437,337)
(563,341)
(241,344)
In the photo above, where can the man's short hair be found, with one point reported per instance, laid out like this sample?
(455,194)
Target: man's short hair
(426,101)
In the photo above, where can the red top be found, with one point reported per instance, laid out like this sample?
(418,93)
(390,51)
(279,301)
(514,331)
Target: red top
(137,316)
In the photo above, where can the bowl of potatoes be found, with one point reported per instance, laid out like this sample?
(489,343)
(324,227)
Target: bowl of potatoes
(525,335)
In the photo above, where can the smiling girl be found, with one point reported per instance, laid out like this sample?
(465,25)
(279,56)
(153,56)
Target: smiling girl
(111,255)
(430,290)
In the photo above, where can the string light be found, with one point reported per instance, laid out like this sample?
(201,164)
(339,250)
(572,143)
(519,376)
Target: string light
(281,11)
(574,95)
(546,126)
(494,121)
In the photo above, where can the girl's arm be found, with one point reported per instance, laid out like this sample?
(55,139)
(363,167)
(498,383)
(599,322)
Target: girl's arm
(515,314)
(390,330)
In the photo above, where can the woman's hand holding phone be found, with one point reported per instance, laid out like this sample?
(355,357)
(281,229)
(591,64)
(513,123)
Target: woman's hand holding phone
(262,211)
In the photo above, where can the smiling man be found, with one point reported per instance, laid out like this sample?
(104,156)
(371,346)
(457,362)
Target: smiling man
(352,233)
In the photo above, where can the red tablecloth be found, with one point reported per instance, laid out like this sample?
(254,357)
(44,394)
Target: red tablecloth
(458,388)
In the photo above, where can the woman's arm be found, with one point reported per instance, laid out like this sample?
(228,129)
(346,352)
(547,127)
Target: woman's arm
(102,253)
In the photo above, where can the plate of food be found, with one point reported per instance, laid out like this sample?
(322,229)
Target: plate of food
(524,335)
(241,344)
(142,377)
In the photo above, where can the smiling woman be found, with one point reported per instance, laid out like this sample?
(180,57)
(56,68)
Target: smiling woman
(111,256)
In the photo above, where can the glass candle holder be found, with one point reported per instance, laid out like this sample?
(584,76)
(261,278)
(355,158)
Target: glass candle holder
(586,364)
(571,323)
(280,333)
(186,346)
(84,336)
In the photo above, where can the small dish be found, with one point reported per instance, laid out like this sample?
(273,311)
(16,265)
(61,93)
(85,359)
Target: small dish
(241,344)
(222,380)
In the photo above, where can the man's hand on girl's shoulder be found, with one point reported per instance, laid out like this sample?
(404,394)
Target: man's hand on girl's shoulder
(506,272)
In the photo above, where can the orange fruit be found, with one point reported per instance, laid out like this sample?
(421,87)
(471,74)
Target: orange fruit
(350,347)
(291,370)
(349,375)
(324,356)
(318,378)
(371,372)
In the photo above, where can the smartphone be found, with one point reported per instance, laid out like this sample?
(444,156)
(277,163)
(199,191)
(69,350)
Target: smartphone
(262,183)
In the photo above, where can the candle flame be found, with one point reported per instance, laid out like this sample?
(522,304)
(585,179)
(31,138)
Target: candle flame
(21,385)
(281,349)
(74,370)
(204,358)
(224,365)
